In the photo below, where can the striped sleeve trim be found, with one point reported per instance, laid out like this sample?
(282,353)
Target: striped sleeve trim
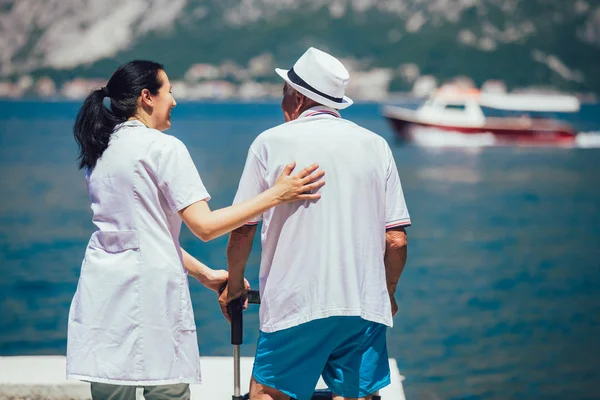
(402,222)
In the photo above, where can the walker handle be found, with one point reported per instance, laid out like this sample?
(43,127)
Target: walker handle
(235,309)
(253,296)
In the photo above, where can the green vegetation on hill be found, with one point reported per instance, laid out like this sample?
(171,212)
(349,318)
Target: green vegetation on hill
(365,36)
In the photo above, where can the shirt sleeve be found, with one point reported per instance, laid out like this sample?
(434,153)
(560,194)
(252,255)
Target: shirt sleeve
(396,212)
(252,182)
(177,176)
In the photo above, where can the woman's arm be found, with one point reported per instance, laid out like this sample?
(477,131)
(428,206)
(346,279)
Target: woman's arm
(211,278)
(207,224)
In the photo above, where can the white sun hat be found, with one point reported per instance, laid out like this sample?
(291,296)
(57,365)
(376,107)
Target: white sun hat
(320,77)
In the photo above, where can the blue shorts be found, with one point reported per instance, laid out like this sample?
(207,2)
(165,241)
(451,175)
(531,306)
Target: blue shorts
(349,352)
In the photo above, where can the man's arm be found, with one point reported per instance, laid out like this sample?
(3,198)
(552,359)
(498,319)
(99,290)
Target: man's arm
(394,259)
(238,251)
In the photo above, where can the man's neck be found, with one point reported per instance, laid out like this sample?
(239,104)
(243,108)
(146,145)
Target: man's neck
(308,104)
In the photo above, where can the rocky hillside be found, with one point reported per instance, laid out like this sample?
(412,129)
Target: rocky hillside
(522,42)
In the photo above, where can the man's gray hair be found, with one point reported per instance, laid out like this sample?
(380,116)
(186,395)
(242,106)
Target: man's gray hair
(289,90)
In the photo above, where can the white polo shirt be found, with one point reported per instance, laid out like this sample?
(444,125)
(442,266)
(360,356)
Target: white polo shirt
(131,321)
(325,258)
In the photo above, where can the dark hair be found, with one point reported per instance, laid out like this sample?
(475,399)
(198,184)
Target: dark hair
(95,122)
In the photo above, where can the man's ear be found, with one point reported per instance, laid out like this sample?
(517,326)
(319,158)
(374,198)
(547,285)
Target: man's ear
(147,98)
(300,100)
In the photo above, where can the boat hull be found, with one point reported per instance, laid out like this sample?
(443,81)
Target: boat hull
(505,131)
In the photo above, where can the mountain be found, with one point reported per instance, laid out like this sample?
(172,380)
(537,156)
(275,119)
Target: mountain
(522,42)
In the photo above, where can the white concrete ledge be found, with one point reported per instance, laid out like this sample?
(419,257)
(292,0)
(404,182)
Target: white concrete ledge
(43,377)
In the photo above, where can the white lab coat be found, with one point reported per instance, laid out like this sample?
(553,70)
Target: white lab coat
(131,320)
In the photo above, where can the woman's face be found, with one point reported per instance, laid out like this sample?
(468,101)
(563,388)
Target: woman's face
(163,104)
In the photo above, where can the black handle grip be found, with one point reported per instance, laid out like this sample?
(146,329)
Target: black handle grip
(235,309)
(253,297)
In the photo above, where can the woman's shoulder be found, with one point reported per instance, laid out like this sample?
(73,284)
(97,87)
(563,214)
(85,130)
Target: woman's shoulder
(163,145)
(165,141)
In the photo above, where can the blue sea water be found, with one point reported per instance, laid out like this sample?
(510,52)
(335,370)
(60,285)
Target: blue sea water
(500,298)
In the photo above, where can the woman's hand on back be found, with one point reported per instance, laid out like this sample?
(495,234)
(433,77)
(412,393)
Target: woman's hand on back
(300,186)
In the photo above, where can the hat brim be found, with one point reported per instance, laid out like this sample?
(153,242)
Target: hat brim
(346,101)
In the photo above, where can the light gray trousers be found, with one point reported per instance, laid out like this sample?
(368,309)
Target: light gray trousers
(103,391)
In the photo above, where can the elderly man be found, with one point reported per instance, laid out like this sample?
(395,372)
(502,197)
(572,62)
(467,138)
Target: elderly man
(329,268)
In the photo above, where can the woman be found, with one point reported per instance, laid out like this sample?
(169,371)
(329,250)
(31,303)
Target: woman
(131,321)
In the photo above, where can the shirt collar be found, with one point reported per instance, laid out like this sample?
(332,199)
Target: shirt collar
(320,111)
(132,123)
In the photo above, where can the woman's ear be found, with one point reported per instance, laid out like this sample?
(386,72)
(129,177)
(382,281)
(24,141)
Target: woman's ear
(147,98)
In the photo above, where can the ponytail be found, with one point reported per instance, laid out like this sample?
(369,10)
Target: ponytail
(95,122)
(93,126)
